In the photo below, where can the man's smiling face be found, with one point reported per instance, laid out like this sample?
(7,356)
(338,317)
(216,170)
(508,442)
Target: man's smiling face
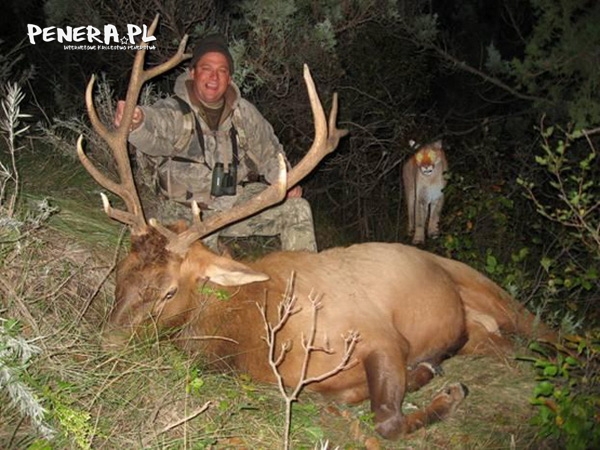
(211,77)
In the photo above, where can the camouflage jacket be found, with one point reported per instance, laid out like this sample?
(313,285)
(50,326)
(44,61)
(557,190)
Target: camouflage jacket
(181,169)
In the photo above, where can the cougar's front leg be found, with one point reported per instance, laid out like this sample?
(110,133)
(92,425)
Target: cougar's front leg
(433,229)
(420,219)
(409,195)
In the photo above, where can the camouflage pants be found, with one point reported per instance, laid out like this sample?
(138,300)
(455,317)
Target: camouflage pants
(291,220)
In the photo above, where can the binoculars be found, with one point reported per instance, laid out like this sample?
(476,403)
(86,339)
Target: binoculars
(223,183)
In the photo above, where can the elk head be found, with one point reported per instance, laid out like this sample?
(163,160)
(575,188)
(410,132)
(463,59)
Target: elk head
(157,280)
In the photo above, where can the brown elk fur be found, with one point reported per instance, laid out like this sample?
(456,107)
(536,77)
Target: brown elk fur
(411,308)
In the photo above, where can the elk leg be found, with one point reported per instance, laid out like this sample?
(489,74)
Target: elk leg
(386,378)
(443,404)
(387,381)
(422,374)
(484,336)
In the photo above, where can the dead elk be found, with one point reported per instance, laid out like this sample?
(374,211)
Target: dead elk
(412,309)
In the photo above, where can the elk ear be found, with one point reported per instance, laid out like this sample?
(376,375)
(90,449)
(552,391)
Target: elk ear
(227,272)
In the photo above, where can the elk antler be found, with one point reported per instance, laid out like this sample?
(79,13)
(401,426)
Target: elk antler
(326,139)
(117,139)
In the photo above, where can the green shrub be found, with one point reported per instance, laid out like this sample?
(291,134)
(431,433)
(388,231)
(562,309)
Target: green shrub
(567,395)
(566,196)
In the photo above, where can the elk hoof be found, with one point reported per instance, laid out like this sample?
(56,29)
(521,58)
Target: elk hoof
(390,428)
(435,370)
(452,395)
(446,401)
(455,391)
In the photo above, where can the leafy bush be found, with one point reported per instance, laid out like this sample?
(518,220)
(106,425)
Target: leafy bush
(484,226)
(568,391)
(567,197)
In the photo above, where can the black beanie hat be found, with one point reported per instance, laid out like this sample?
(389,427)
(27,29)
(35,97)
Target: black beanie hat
(212,43)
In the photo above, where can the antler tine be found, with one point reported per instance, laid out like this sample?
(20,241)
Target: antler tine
(335,134)
(327,136)
(117,139)
(199,229)
(325,141)
(140,76)
(133,216)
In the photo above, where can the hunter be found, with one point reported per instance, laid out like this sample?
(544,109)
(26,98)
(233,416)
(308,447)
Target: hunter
(208,144)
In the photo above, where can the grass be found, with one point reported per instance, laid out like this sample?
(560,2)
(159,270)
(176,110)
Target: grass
(59,283)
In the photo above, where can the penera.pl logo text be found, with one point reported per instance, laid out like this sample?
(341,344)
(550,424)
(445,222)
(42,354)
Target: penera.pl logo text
(92,38)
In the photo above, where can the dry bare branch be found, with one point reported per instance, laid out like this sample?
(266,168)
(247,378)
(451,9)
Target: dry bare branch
(286,309)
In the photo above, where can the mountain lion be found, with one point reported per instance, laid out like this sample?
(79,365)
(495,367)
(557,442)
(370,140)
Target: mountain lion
(423,178)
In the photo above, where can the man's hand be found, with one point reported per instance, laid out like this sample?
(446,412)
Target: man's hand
(295,192)
(138,115)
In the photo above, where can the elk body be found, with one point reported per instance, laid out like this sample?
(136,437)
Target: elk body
(412,309)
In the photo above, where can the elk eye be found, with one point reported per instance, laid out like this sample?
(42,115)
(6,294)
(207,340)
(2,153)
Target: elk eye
(169,295)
